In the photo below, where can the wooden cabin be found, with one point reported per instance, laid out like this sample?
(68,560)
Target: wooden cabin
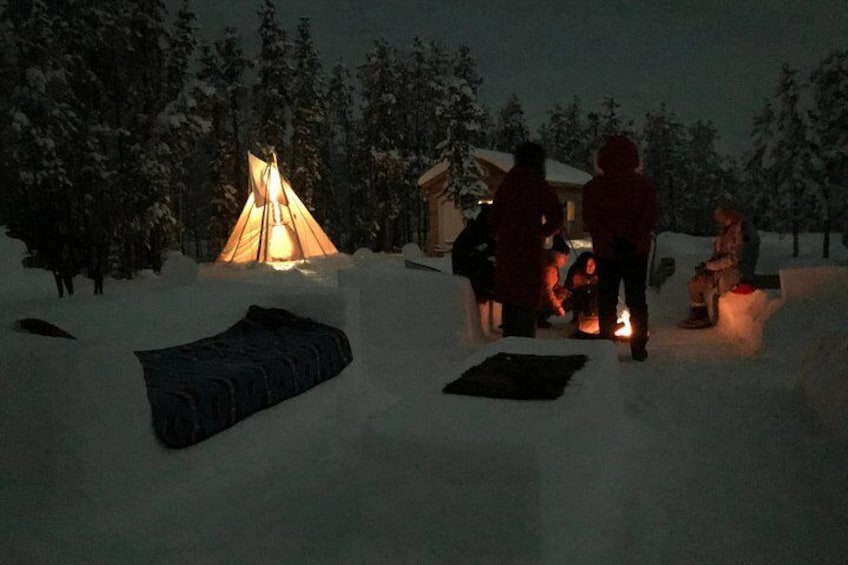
(446,220)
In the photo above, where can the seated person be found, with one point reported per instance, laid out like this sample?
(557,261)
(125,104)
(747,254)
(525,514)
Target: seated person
(553,293)
(720,271)
(473,255)
(582,282)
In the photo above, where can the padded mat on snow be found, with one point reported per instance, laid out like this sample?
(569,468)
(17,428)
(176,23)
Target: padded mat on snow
(198,389)
(518,376)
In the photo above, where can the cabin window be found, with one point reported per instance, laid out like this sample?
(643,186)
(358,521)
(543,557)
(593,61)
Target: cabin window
(570,211)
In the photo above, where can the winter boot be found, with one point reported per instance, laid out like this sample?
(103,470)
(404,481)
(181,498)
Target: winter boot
(698,319)
(638,352)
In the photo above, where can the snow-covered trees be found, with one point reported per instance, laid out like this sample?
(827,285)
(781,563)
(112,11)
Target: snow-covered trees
(463,118)
(665,162)
(564,134)
(797,169)
(830,132)
(382,142)
(223,69)
(308,139)
(339,217)
(790,161)
(271,92)
(511,127)
(40,128)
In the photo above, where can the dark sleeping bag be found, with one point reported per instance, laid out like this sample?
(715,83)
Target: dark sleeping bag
(198,389)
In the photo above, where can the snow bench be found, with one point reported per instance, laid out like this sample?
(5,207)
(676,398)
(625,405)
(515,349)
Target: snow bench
(742,316)
(443,306)
(81,469)
(499,480)
(819,296)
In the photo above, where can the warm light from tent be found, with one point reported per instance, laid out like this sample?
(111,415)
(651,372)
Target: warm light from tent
(283,265)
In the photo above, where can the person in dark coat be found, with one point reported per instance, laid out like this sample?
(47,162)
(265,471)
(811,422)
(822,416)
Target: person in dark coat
(619,212)
(526,211)
(473,255)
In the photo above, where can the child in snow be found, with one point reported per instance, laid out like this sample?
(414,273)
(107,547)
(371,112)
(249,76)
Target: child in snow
(720,272)
(582,281)
(554,294)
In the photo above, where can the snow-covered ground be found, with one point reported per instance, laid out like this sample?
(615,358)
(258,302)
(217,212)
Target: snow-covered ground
(715,450)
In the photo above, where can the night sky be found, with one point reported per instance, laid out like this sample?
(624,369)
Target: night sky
(710,60)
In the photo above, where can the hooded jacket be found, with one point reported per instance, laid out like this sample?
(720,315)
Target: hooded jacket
(620,205)
(727,252)
(521,203)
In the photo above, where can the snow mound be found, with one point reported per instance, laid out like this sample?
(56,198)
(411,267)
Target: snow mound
(411,251)
(16,281)
(178,269)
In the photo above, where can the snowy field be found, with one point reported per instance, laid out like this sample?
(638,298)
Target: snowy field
(729,445)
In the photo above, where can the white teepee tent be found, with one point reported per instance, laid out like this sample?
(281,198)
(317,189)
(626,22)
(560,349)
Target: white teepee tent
(274,224)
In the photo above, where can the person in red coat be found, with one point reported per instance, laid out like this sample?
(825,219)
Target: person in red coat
(525,212)
(619,212)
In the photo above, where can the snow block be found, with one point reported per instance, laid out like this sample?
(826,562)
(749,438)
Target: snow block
(443,306)
(455,479)
(824,380)
(742,316)
(812,282)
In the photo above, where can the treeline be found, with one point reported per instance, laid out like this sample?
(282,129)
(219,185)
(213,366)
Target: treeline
(123,135)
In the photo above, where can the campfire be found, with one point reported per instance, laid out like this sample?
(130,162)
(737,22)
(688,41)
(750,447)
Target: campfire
(626,330)
(589,325)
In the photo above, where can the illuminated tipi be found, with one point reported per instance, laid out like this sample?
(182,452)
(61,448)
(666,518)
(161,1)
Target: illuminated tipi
(274,224)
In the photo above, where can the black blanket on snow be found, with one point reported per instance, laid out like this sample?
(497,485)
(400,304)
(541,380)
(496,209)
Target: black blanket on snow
(198,389)
(518,376)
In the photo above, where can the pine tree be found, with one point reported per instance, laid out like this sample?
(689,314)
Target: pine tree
(665,162)
(611,122)
(308,119)
(464,67)
(512,126)
(706,178)
(564,134)
(425,66)
(340,215)
(381,144)
(179,128)
(758,179)
(790,158)
(223,67)
(464,185)
(271,91)
(39,135)
(830,129)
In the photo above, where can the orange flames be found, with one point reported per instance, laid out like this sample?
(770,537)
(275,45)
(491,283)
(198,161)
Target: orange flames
(627,329)
(590,325)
